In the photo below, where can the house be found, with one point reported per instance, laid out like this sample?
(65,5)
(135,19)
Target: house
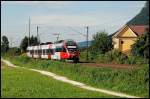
(126,36)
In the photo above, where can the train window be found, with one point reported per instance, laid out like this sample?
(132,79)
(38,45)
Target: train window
(50,51)
(43,52)
(35,51)
(39,51)
(69,43)
(64,49)
(72,49)
(31,51)
(47,51)
(58,49)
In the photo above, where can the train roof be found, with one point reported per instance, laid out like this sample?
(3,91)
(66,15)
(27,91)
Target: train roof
(46,43)
(60,41)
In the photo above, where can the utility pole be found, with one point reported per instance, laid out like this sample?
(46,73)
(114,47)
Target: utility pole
(57,35)
(37,34)
(29,33)
(87,57)
(11,41)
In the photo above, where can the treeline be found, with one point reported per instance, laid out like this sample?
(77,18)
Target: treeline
(5,48)
(24,43)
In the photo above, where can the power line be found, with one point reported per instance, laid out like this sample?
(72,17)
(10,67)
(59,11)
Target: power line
(29,33)
(76,31)
(87,58)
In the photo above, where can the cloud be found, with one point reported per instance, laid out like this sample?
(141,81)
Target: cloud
(64,20)
(53,3)
(83,19)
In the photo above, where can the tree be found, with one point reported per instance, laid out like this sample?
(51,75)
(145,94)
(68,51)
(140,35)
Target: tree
(101,44)
(141,46)
(4,44)
(24,42)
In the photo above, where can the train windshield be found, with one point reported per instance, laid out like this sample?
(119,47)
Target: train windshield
(72,49)
(71,46)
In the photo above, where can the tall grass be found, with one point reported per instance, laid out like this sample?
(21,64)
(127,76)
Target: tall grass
(132,81)
(22,83)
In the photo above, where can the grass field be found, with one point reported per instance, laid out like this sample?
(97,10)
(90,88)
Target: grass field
(130,81)
(22,83)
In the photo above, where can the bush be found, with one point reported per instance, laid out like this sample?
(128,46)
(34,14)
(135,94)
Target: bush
(131,60)
(12,51)
(113,56)
(101,44)
(24,59)
(141,46)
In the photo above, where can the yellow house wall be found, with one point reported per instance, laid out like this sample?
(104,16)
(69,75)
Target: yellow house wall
(127,42)
(127,32)
(128,37)
(116,43)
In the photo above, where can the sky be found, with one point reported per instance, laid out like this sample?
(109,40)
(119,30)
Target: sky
(67,18)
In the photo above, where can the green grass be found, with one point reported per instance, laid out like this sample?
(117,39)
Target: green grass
(22,83)
(130,81)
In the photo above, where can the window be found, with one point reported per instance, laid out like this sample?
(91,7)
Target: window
(58,49)
(39,51)
(64,49)
(31,51)
(72,49)
(43,52)
(36,51)
(27,51)
(50,51)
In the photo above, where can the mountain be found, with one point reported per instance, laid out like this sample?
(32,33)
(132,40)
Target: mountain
(84,44)
(142,18)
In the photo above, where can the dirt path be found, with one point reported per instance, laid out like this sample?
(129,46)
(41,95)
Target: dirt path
(75,83)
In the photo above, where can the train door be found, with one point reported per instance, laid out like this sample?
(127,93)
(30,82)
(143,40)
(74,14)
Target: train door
(56,53)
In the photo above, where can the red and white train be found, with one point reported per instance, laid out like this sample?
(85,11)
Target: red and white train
(61,50)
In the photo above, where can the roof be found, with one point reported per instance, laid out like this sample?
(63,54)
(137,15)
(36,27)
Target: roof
(137,29)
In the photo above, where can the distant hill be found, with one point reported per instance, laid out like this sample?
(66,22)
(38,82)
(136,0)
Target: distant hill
(142,18)
(83,44)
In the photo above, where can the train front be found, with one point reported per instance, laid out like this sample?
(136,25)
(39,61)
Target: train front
(72,50)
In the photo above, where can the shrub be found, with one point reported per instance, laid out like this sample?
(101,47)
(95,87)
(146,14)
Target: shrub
(112,56)
(101,44)
(24,59)
(141,46)
(131,60)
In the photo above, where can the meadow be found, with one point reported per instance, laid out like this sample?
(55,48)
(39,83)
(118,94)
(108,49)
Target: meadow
(22,83)
(130,81)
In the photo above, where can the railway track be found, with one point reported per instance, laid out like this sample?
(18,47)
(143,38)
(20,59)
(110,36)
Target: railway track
(107,65)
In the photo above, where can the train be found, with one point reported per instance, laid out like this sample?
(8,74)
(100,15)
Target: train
(60,50)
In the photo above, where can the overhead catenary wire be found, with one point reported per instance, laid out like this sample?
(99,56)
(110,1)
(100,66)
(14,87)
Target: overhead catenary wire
(76,31)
